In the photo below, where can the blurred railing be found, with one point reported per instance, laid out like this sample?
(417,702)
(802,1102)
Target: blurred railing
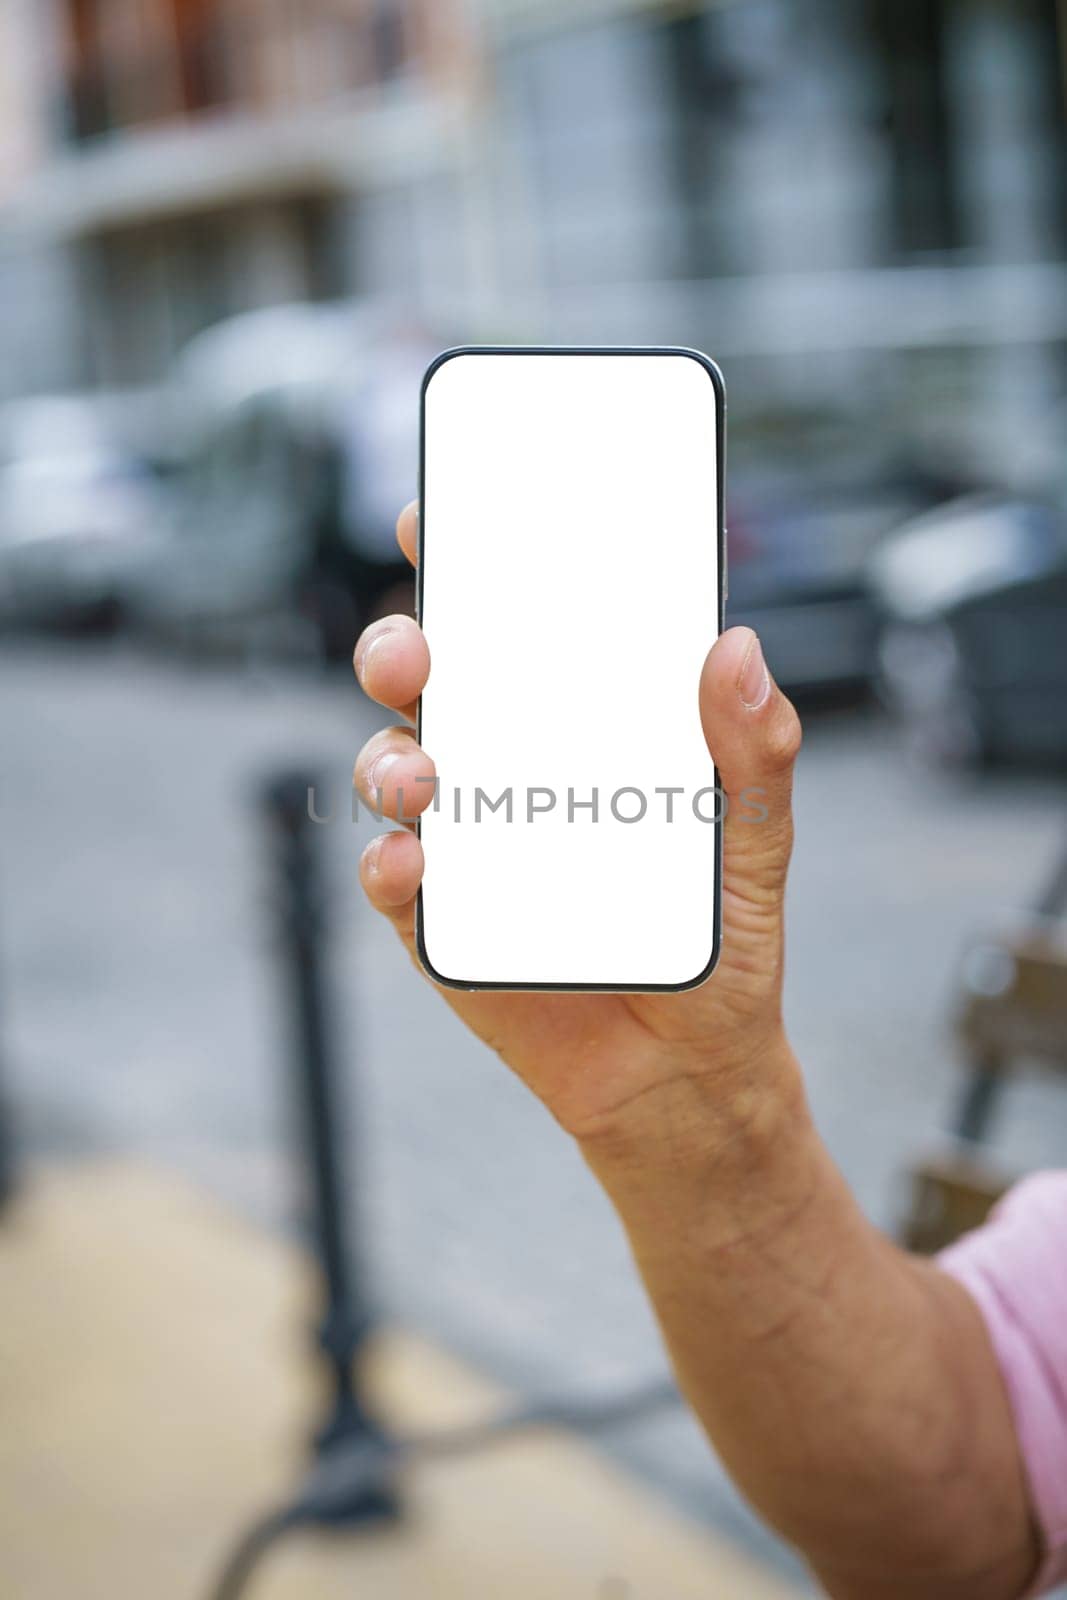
(161,60)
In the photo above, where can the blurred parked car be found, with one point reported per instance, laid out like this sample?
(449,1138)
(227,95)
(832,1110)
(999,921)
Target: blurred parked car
(302,443)
(974,648)
(77,507)
(800,539)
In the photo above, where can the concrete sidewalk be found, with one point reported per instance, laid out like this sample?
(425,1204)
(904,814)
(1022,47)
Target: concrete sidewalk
(155,1396)
(144,1008)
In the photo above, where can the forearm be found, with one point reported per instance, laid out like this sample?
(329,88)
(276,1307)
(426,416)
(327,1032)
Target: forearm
(849,1389)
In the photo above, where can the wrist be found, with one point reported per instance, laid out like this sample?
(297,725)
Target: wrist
(707,1132)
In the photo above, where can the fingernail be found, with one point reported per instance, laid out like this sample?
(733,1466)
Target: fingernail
(379,772)
(368,650)
(754,681)
(371,857)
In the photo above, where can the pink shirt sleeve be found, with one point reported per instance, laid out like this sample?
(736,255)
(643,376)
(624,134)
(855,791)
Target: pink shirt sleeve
(1016,1269)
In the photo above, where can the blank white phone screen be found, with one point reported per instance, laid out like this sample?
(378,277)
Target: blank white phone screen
(569,595)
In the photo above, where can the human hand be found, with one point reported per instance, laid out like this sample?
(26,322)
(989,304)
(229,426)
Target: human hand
(598,1061)
(842,1384)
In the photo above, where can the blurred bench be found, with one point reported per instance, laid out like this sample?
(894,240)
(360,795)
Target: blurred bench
(1012,1018)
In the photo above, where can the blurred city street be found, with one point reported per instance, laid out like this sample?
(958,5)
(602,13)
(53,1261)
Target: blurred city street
(142,1009)
(233,234)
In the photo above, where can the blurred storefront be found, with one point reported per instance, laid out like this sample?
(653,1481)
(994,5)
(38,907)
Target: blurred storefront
(778,181)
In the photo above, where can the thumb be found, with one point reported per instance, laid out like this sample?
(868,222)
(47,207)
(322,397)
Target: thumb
(753,734)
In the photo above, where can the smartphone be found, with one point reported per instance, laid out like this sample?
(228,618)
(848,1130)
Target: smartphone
(570,585)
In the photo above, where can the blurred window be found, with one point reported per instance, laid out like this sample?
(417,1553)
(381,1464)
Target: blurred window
(709,89)
(139,61)
(1050,90)
(596,131)
(762,98)
(154,286)
(913,40)
(973,95)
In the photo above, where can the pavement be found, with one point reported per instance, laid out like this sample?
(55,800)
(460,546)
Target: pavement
(156,1402)
(143,1010)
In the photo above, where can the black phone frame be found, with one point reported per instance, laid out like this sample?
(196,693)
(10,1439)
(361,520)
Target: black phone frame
(719,385)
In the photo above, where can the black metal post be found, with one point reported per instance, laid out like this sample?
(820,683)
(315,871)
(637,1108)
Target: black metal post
(978,1101)
(7,1137)
(303,917)
(7,1153)
(1053,899)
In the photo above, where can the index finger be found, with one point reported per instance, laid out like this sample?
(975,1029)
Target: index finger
(407,532)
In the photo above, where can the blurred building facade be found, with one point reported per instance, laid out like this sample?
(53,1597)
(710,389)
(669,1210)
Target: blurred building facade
(880,185)
(204,157)
(865,200)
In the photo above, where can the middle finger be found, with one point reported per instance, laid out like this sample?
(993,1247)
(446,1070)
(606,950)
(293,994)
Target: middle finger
(392,663)
(394,776)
